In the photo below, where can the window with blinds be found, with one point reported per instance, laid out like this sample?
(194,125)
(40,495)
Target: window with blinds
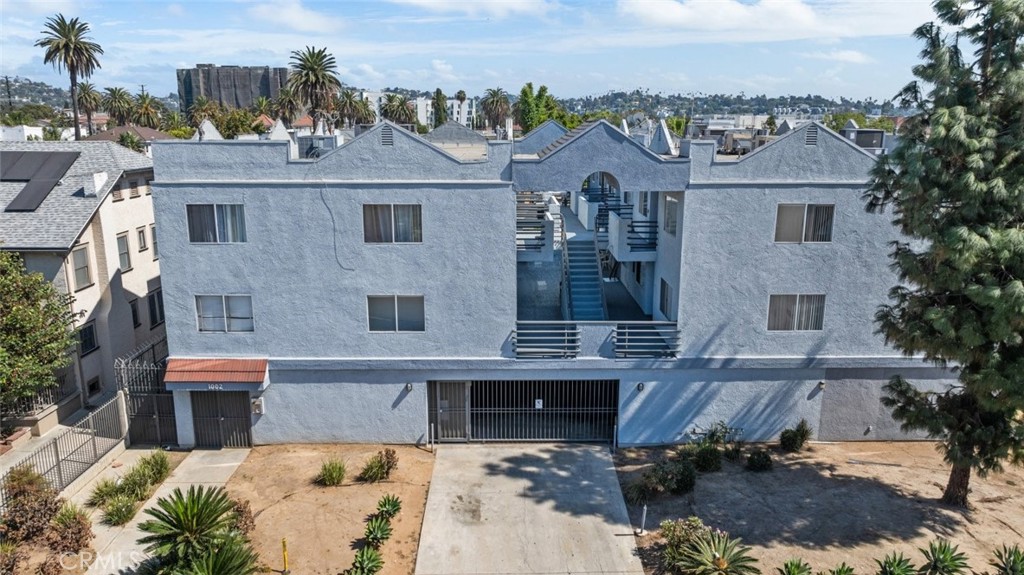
(796,312)
(804,223)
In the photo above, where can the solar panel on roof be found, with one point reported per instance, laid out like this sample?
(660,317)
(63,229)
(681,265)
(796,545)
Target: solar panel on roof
(42,170)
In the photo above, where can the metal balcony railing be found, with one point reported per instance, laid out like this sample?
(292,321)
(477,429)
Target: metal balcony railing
(595,339)
(64,387)
(546,340)
(658,339)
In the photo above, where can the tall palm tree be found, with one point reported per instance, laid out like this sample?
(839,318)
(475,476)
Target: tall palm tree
(495,106)
(173,121)
(263,106)
(440,105)
(147,112)
(287,106)
(202,109)
(461,97)
(314,79)
(119,104)
(398,109)
(89,101)
(131,141)
(346,105)
(365,114)
(68,47)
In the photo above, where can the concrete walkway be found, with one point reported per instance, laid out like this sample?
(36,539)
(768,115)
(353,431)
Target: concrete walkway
(116,549)
(539,508)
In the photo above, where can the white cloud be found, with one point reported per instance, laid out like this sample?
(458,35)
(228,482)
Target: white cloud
(293,15)
(176,10)
(443,71)
(846,56)
(491,8)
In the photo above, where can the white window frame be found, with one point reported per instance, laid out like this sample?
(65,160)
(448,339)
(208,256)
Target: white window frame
(395,297)
(674,215)
(224,308)
(152,237)
(803,224)
(394,227)
(796,312)
(126,254)
(217,225)
(88,267)
(140,235)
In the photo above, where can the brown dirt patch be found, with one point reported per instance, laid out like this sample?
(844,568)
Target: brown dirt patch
(324,525)
(851,502)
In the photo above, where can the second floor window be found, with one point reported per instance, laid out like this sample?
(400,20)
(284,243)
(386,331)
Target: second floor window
(804,223)
(156,307)
(796,312)
(87,338)
(395,313)
(392,223)
(645,203)
(141,235)
(227,313)
(671,214)
(123,253)
(152,234)
(216,223)
(80,261)
(665,301)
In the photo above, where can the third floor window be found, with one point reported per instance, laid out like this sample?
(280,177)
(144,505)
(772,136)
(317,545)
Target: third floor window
(804,223)
(216,223)
(392,223)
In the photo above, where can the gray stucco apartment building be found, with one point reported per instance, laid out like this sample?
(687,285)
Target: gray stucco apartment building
(398,289)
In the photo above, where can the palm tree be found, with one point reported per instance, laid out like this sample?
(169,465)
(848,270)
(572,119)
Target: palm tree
(233,556)
(147,112)
(461,97)
(202,109)
(186,527)
(398,109)
(287,106)
(440,105)
(68,47)
(263,106)
(89,101)
(119,104)
(131,141)
(314,79)
(346,105)
(173,121)
(365,114)
(495,106)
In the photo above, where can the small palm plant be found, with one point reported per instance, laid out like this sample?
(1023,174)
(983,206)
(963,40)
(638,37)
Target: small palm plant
(232,557)
(942,558)
(794,567)
(389,506)
(717,554)
(1008,561)
(378,530)
(186,526)
(895,564)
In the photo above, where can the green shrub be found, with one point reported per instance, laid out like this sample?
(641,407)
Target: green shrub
(367,562)
(70,531)
(687,451)
(378,530)
(184,527)
(31,504)
(675,476)
(679,535)
(895,564)
(942,558)
(24,479)
(1008,561)
(793,440)
(794,567)
(841,569)
(708,459)
(157,466)
(120,509)
(717,554)
(759,460)
(135,484)
(104,490)
(640,491)
(332,473)
(733,451)
(389,506)
(380,466)
(232,556)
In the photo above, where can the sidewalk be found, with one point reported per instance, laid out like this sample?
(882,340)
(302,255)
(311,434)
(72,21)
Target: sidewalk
(116,548)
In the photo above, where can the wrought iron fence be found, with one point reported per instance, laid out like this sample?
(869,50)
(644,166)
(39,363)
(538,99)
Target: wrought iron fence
(67,456)
(140,374)
(65,386)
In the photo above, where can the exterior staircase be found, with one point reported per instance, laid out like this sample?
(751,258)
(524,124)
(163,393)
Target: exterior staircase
(583,276)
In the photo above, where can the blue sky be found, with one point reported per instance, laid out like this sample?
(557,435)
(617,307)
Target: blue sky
(853,48)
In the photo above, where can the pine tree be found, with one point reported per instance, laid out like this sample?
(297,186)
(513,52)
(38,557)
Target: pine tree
(956,187)
(526,109)
(440,105)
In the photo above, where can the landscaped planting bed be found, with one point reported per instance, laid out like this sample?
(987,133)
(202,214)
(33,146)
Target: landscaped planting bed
(326,525)
(833,503)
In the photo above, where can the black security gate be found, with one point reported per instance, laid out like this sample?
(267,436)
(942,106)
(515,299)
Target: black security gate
(222,419)
(532,410)
(150,405)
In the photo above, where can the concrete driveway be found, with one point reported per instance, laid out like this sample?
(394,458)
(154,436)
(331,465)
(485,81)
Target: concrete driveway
(538,508)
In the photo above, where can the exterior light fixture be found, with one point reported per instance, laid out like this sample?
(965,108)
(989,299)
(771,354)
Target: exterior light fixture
(640,386)
(408,387)
(821,385)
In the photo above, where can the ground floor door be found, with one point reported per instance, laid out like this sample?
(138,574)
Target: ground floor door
(151,419)
(527,410)
(222,419)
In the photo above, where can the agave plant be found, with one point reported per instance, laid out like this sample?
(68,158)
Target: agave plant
(942,558)
(378,530)
(367,562)
(895,564)
(1008,561)
(795,566)
(232,557)
(389,506)
(841,569)
(186,526)
(717,555)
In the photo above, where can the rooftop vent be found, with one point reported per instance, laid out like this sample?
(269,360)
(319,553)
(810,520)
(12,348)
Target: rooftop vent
(99,179)
(811,136)
(387,136)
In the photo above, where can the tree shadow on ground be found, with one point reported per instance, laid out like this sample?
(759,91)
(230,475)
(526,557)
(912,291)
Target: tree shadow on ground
(578,480)
(805,504)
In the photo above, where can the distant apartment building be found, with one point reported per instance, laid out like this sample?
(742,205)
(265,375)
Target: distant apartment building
(81,214)
(233,86)
(462,112)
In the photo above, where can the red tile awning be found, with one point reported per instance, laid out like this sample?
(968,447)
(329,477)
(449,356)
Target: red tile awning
(228,370)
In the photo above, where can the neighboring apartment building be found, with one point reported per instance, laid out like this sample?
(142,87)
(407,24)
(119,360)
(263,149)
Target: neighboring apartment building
(401,290)
(461,112)
(232,86)
(81,214)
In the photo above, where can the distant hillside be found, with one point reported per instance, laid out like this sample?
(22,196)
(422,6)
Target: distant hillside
(680,104)
(26,91)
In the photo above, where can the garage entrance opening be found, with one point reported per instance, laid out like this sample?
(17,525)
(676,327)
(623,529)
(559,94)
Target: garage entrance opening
(510,410)
(222,419)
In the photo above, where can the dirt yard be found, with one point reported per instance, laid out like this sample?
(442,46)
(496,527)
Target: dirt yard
(324,525)
(851,502)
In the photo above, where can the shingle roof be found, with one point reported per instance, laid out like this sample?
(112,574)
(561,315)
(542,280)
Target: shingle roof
(146,134)
(58,221)
(452,132)
(565,139)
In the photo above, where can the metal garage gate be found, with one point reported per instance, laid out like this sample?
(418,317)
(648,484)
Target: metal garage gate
(222,419)
(534,410)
